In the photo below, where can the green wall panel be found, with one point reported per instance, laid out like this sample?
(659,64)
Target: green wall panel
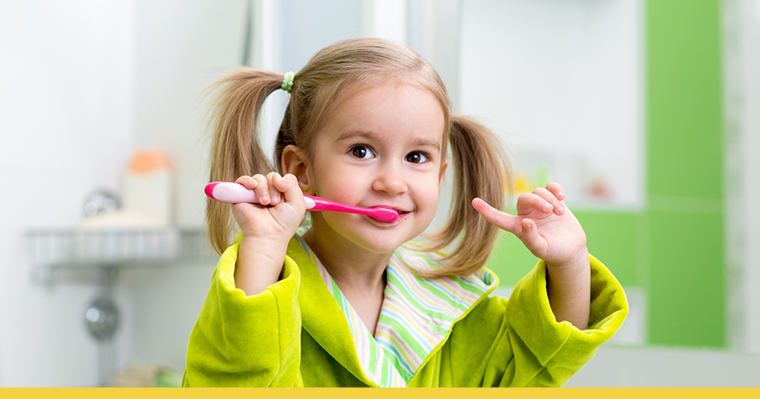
(684,219)
(686,300)
(683,98)
(510,260)
(611,238)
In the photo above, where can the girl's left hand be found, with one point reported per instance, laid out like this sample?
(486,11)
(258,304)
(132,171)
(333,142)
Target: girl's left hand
(544,224)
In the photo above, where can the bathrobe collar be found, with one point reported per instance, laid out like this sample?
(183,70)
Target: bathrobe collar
(415,321)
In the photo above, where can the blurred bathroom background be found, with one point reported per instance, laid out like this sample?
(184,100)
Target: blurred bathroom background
(647,111)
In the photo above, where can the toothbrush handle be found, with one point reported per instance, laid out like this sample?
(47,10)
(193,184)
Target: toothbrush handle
(322,204)
(381,213)
(235,193)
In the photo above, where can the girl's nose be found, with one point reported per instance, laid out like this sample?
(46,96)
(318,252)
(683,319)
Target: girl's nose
(390,180)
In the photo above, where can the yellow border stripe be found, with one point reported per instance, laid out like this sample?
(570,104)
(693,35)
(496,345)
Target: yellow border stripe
(353,393)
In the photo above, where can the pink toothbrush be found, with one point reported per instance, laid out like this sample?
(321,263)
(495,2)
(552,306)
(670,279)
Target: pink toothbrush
(235,193)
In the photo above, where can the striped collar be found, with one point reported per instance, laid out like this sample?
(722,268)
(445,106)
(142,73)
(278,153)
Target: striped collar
(416,316)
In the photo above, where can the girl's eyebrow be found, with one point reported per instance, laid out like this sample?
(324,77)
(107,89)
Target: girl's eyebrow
(355,133)
(419,141)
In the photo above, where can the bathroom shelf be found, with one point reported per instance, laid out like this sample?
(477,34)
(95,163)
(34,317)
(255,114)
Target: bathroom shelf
(115,248)
(103,253)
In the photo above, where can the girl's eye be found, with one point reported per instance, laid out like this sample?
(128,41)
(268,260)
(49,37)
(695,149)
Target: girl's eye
(417,157)
(361,152)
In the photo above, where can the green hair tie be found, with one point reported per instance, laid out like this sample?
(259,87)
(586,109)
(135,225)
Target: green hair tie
(287,81)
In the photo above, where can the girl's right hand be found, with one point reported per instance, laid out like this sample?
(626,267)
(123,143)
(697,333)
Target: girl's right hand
(267,229)
(279,211)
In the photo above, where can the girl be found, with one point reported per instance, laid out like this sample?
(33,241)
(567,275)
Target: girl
(350,301)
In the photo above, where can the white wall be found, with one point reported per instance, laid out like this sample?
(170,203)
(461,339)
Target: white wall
(659,367)
(288,39)
(741,31)
(66,87)
(561,82)
(180,48)
(82,85)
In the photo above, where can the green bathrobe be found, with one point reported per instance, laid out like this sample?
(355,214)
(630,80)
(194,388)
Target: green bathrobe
(296,333)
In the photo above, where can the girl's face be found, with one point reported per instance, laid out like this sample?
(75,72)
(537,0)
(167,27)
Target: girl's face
(381,146)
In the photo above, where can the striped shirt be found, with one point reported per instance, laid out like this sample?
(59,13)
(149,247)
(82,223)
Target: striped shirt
(416,315)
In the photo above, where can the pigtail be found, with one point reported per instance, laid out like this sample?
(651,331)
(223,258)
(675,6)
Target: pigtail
(483,171)
(236,103)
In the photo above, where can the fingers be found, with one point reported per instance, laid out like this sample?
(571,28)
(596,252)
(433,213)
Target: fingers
(274,194)
(539,219)
(527,202)
(525,229)
(247,181)
(288,186)
(503,220)
(269,189)
(556,205)
(544,200)
(556,190)
(530,237)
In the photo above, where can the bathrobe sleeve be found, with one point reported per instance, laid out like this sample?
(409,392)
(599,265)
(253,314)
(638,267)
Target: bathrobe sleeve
(518,342)
(241,340)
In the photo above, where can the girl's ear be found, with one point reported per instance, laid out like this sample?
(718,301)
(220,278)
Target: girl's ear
(444,165)
(295,161)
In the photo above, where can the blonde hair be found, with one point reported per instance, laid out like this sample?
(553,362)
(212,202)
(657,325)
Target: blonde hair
(338,69)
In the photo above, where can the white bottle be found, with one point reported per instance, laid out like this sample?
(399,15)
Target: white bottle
(147,188)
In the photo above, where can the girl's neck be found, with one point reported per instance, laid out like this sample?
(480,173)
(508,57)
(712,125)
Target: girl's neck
(359,274)
(351,267)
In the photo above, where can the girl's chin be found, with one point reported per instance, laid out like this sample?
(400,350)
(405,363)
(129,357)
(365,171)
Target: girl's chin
(373,236)
(382,242)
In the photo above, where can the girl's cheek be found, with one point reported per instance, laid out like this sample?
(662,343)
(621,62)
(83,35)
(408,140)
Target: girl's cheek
(346,192)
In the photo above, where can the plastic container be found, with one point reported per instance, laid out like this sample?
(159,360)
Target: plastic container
(147,187)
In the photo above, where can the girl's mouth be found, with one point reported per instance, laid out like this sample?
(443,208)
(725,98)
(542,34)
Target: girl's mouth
(401,215)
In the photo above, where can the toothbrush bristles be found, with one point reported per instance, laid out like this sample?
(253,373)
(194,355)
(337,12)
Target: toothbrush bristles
(385,214)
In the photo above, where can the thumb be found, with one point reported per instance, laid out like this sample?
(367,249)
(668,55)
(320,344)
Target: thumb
(501,219)
(288,185)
